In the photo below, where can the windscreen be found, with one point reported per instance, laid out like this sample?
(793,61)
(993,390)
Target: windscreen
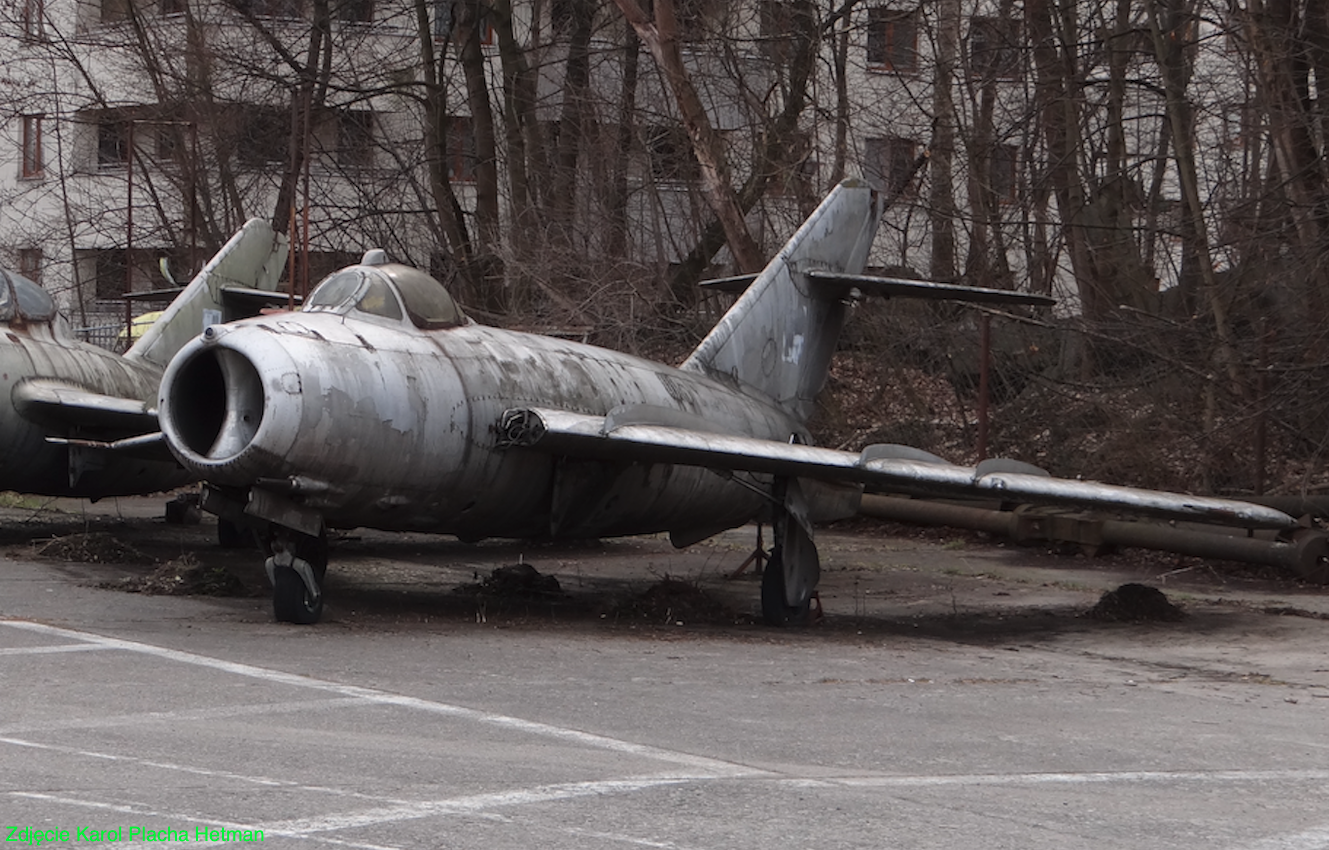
(20,298)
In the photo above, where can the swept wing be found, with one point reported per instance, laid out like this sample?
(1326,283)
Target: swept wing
(878,468)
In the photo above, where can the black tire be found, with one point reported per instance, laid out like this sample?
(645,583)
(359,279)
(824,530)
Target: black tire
(291,600)
(774,610)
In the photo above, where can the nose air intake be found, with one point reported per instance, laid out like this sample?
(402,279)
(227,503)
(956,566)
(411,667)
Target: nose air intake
(216,404)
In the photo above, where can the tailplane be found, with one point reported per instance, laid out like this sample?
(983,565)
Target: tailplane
(251,259)
(779,336)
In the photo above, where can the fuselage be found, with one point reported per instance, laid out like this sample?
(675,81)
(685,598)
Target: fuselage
(375,422)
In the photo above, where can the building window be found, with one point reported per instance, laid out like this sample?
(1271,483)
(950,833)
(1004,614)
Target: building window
(782,25)
(670,152)
(892,40)
(33,162)
(890,163)
(355,11)
(697,18)
(34,20)
(1003,173)
(110,274)
(30,263)
(114,11)
(112,141)
(448,14)
(262,135)
(281,9)
(461,149)
(563,15)
(355,138)
(994,48)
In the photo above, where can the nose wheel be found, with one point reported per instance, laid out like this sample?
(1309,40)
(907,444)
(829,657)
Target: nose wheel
(296,569)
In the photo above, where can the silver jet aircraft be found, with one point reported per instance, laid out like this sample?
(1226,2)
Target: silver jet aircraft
(79,420)
(382,405)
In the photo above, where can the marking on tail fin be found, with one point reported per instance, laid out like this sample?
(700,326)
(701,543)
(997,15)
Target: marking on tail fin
(781,312)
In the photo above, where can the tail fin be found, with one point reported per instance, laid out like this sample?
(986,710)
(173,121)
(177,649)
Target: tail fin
(779,336)
(253,258)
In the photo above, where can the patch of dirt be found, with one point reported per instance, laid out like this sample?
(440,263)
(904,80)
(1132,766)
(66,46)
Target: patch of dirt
(94,547)
(183,576)
(516,581)
(672,601)
(1135,603)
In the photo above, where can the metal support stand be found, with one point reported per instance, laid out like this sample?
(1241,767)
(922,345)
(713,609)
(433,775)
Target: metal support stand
(759,557)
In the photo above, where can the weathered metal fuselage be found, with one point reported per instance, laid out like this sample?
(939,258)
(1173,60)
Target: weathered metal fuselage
(375,423)
(30,464)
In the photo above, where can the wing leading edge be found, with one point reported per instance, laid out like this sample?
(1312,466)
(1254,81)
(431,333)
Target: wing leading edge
(56,403)
(876,468)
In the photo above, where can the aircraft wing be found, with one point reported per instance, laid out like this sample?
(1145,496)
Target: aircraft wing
(59,405)
(56,405)
(878,468)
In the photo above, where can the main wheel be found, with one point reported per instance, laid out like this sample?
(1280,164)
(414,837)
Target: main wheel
(291,600)
(775,610)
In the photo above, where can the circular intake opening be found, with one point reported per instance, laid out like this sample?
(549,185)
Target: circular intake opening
(215,404)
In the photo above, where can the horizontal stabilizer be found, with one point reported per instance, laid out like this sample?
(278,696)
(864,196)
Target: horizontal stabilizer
(580,435)
(836,286)
(243,302)
(735,284)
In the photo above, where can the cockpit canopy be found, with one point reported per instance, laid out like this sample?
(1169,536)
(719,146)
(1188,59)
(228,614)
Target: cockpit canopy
(388,291)
(23,301)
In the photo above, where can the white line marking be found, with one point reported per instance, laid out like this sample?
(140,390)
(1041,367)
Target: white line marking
(200,771)
(588,739)
(219,712)
(1311,839)
(42,650)
(174,818)
(1083,778)
(475,804)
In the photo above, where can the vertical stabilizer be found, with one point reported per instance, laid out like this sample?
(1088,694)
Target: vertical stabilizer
(779,336)
(253,258)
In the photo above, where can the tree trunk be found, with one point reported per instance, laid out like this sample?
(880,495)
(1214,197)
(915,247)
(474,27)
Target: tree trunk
(661,38)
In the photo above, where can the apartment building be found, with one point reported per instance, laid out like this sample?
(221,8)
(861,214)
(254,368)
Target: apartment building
(141,133)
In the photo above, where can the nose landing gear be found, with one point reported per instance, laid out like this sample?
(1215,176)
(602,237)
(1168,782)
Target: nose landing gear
(296,569)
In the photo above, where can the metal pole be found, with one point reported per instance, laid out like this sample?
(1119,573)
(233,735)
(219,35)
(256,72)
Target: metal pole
(984,366)
(129,231)
(193,198)
(1261,399)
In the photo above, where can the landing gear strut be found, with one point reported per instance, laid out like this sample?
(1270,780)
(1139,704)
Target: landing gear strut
(296,569)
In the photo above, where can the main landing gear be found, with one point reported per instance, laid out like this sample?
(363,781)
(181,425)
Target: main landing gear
(789,580)
(296,569)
